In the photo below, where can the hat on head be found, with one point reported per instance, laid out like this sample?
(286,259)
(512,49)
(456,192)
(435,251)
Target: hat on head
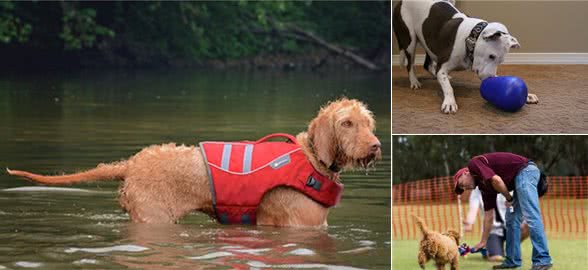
(456,176)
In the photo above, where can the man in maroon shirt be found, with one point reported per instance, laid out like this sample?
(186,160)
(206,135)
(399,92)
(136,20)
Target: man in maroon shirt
(501,172)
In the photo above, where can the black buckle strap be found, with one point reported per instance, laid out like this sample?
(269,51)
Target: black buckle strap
(315,184)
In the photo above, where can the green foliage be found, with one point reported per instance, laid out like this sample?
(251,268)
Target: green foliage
(420,157)
(11,26)
(80,29)
(362,24)
(161,31)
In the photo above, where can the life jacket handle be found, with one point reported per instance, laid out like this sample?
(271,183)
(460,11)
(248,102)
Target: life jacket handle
(276,135)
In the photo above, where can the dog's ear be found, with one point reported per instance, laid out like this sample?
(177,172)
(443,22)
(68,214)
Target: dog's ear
(322,134)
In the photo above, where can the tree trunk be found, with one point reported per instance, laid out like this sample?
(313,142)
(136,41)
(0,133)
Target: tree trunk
(334,48)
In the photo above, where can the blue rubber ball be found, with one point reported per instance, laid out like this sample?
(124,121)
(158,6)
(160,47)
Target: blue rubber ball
(507,93)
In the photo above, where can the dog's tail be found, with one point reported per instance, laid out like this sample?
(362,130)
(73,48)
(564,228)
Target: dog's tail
(419,221)
(112,171)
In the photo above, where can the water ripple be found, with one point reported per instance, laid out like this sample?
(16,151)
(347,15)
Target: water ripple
(257,264)
(366,243)
(86,261)
(212,255)
(127,248)
(28,264)
(252,251)
(302,252)
(40,188)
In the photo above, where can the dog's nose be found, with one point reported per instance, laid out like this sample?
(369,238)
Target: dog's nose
(375,146)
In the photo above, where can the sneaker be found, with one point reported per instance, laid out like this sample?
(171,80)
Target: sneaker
(541,267)
(505,266)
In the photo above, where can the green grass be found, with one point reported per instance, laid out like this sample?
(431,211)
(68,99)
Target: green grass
(566,254)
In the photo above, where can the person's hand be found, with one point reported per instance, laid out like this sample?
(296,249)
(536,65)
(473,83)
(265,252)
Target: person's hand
(467,226)
(509,200)
(479,245)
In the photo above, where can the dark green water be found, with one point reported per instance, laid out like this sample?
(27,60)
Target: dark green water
(59,122)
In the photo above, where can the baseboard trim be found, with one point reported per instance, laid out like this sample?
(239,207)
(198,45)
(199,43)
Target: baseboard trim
(526,59)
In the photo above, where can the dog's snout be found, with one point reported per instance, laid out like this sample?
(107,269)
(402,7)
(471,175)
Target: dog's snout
(375,146)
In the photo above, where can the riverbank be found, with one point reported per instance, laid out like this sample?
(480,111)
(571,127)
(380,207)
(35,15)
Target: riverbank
(317,59)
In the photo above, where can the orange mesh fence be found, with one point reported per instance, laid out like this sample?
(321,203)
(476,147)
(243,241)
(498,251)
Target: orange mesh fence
(564,207)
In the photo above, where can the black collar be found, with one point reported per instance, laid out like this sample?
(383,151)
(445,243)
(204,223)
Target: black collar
(470,42)
(334,167)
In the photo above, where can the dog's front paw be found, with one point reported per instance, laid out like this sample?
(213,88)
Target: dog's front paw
(532,99)
(449,106)
(415,84)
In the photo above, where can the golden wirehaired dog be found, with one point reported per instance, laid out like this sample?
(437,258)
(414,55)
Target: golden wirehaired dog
(441,247)
(163,183)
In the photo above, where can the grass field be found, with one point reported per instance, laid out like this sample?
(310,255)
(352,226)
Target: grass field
(565,220)
(566,254)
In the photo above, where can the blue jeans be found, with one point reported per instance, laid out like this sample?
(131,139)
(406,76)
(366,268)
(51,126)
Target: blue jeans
(526,204)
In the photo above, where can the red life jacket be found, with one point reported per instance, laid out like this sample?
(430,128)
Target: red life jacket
(242,172)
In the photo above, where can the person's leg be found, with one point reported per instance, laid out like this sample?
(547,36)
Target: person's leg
(526,189)
(513,234)
(524,231)
(495,247)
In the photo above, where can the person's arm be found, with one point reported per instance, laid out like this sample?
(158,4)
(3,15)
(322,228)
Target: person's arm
(488,220)
(500,187)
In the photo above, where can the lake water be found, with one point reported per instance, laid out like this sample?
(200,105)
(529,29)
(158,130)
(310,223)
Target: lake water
(61,122)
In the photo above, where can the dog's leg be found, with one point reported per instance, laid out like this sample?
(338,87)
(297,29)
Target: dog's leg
(449,105)
(455,263)
(423,259)
(143,206)
(402,58)
(532,99)
(406,43)
(440,266)
(430,65)
(299,211)
(411,51)
(150,214)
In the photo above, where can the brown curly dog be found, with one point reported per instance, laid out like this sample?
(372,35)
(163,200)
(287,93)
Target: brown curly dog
(443,248)
(162,183)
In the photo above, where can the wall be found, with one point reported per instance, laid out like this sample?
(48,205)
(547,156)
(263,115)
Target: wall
(540,26)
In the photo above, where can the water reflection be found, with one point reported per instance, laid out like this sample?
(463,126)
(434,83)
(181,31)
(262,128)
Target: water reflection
(228,246)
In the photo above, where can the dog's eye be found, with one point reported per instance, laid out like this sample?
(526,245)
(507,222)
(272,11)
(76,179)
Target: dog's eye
(492,57)
(347,124)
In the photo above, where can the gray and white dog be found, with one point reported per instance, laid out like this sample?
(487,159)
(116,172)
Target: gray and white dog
(452,41)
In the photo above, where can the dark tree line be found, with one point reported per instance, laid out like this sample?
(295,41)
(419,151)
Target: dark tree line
(129,33)
(421,157)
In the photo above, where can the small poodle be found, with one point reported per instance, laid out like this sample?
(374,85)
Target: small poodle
(441,247)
